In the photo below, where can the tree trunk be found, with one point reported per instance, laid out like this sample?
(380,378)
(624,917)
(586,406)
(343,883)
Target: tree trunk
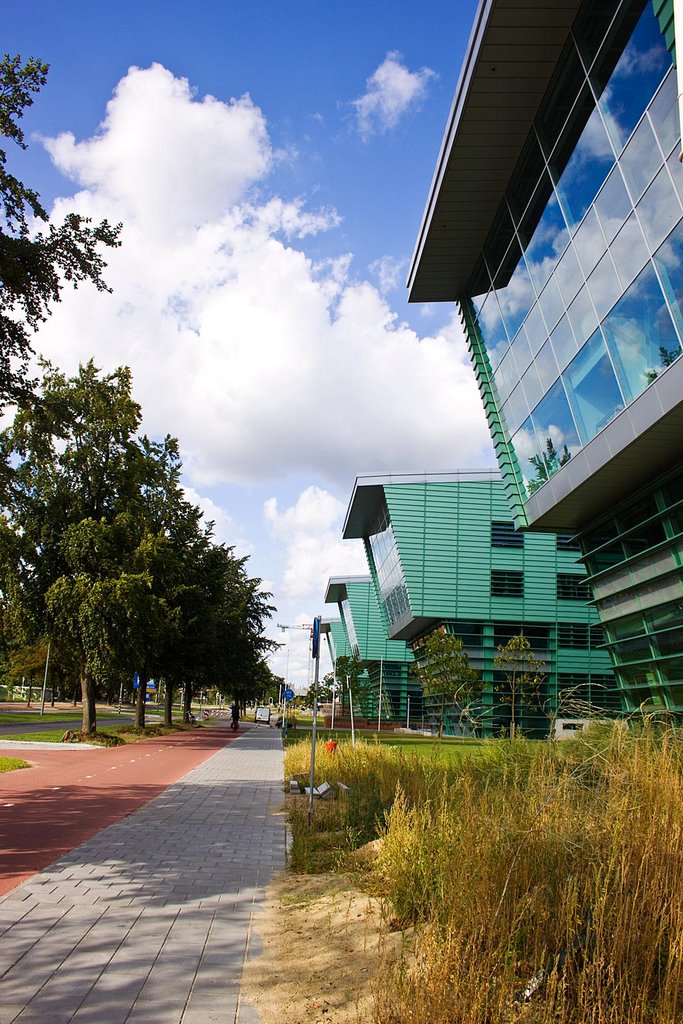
(140,702)
(187,700)
(89,723)
(168,703)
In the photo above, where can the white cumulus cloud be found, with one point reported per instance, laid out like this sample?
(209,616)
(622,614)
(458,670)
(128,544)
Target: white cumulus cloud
(391,91)
(264,362)
(310,530)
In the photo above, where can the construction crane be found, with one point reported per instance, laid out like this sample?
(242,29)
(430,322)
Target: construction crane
(306,625)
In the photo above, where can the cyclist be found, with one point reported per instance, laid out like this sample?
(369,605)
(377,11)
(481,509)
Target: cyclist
(235,716)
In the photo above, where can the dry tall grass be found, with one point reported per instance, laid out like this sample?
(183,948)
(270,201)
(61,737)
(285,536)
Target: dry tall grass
(545,885)
(548,887)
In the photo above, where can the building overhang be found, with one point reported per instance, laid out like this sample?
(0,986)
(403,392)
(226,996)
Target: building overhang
(512,53)
(337,587)
(368,494)
(647,437)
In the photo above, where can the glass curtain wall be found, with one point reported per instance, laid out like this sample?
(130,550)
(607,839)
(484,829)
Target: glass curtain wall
(581,282)
(386,564)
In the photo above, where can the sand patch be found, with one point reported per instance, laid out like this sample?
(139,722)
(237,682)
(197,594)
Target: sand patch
(322,943)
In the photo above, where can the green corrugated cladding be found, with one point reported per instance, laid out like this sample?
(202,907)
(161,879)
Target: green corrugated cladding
(338,640)
(368,621)
(443,533)
(664,11)
(390,659)
(505,454)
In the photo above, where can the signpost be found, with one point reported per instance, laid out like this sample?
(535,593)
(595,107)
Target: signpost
(315,653)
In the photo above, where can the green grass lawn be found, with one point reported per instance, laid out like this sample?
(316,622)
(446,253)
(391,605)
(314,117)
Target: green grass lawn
(109,735)
(10,764)
(19,717)
(451,747)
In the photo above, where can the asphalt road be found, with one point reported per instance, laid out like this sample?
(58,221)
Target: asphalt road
(70,793)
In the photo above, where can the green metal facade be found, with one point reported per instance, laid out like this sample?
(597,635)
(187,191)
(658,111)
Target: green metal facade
(635,557)
(457,549)
(387,662)
(337,639)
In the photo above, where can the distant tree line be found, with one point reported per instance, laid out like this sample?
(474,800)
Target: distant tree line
(102,555)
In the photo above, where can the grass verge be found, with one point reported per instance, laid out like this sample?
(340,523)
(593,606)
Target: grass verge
(109,736)
(11,764)
(544,883)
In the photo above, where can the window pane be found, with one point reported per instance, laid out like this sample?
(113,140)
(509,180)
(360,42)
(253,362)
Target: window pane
(669,261)
(560,98)
(516,409)
(521,351)
(547,366)
(506,376)
(493,329)
(555,436)
(532,386)
(613,204)
(640,68)
(516,297)
(663,113)
(547,241)
(589,243)
(640,160)
(591,24)
(582,316)
(659,209)
(526,447)
(536,329)
(529,189)
(568,275)
(604,286)
(592,388)
(629,251)
(640,334)
(496,250)
(587,167)
(551,303)
(564,343)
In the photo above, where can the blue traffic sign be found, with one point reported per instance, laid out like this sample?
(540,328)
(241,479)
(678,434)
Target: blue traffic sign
(289,694)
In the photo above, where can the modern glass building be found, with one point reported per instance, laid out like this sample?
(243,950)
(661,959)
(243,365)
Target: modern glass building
(387,662)
(443,551)
(555,221)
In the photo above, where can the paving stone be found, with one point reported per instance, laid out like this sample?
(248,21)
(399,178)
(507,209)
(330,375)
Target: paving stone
(149,920)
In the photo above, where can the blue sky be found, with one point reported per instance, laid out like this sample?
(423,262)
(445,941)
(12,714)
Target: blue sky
(270,163)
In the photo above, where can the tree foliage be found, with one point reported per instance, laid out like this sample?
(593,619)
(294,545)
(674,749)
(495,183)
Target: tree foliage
(523,675)
(35,265)
(100,549)
(443,670)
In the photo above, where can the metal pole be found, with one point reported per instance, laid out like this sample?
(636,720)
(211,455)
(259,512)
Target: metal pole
(408,714)
(334,692)
(121,697)
(47,665)
(316,655)
(353,731)
(379,702)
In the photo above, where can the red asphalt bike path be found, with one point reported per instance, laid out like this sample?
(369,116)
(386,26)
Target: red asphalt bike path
(69,794)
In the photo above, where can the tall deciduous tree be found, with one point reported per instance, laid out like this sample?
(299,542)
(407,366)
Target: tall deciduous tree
(34,265)
(523,678)
(444,672)
(78,501)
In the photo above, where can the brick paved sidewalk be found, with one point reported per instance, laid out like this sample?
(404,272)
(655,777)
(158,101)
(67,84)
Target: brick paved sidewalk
(149,921)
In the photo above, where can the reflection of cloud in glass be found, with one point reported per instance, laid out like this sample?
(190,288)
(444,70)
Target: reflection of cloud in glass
(516,298)
(526,446)
(635,62)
